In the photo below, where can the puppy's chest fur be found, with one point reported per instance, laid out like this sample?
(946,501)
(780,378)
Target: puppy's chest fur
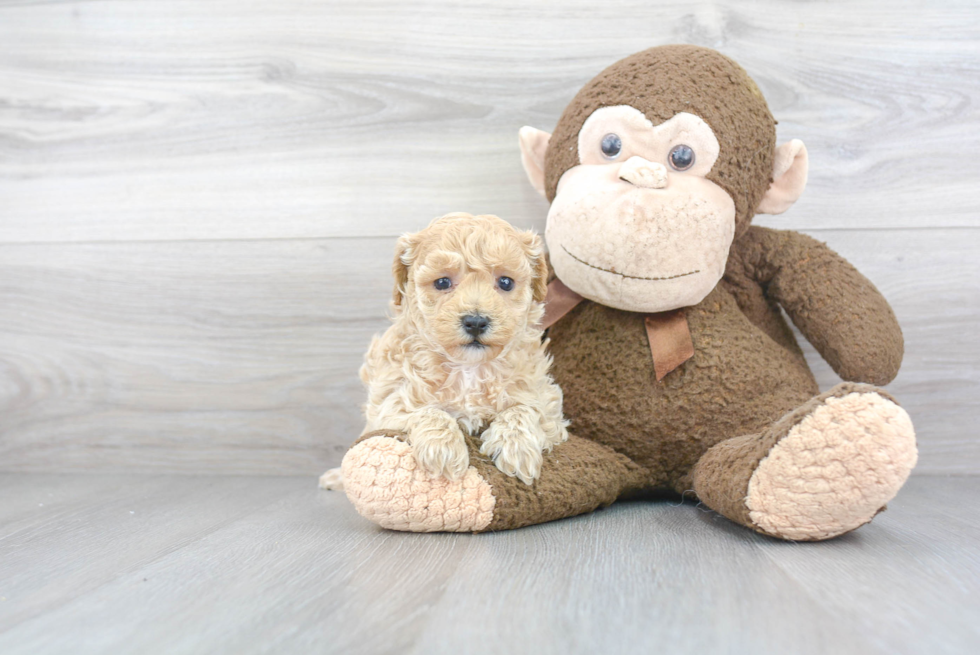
(473,395)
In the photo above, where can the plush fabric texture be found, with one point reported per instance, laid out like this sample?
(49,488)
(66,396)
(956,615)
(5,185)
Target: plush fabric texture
(741,422)
(747,369)
(834,470)
(824,468)
(738,381)
(839,311)
(386,486)
(577,476)
(668,80)
(705,427)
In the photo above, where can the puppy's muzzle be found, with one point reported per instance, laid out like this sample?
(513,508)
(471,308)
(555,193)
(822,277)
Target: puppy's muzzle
(475,324)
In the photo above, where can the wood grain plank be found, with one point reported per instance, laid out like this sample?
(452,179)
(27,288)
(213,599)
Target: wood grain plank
(181,354)
(919,535)
(61,553)
(628,577)
(299,571)
(277,575)
(257,119)
(30,498)
(241,357)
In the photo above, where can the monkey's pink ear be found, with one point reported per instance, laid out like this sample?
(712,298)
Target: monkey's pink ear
(789,171)
(534,143)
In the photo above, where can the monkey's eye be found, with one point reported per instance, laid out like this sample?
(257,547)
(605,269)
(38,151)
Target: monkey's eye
(681,158)
(442,283)
(611,146)
(504,283)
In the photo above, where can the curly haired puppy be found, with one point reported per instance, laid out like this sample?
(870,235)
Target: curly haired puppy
(463,354)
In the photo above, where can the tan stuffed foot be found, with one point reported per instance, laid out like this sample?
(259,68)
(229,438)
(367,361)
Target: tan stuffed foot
(834,470)
(385,484)
(820,471)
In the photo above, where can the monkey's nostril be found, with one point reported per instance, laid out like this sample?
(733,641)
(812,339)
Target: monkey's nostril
(475,324)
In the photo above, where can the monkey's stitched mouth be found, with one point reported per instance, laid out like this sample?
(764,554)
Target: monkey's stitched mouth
(631,277)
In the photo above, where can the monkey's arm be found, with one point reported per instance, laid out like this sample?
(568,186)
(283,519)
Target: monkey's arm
(839,310)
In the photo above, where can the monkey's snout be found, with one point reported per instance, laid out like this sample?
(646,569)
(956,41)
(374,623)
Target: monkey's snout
(643,173)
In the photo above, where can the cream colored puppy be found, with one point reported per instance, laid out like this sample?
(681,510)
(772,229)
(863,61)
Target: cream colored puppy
(464,355)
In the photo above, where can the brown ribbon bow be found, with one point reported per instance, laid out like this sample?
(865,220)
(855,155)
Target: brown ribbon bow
(667,332)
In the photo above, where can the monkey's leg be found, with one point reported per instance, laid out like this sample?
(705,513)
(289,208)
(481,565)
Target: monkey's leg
(383,481)
(823,469)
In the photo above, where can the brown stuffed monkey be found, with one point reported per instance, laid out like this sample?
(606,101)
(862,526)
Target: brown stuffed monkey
(678,369)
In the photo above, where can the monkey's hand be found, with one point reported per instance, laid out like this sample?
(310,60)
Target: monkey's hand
(514,442)
(839,310)
(438,443)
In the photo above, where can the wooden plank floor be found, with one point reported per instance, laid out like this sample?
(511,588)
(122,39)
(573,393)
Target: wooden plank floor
(170,564)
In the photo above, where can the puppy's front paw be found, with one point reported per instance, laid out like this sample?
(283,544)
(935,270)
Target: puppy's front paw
(513,452)
(441,452)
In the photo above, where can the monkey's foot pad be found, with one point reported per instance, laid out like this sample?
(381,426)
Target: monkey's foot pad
(387,486)
(834,470)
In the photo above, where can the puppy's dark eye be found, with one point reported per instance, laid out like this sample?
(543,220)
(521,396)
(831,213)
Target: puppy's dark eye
(504,283)
(611,146)
(681,158)
(442,283)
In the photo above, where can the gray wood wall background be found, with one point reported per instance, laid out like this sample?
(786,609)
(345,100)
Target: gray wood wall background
(199,200)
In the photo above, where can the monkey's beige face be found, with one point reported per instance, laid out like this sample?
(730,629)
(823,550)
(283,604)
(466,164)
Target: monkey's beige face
(471,287)
(636,225)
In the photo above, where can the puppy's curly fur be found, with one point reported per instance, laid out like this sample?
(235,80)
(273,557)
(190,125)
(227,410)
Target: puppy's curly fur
(432,379)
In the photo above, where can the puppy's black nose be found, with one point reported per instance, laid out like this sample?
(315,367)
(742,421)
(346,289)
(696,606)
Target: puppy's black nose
(475,324)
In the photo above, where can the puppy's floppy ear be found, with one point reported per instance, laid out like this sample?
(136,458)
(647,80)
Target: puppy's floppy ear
(534,247)
(405,251)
